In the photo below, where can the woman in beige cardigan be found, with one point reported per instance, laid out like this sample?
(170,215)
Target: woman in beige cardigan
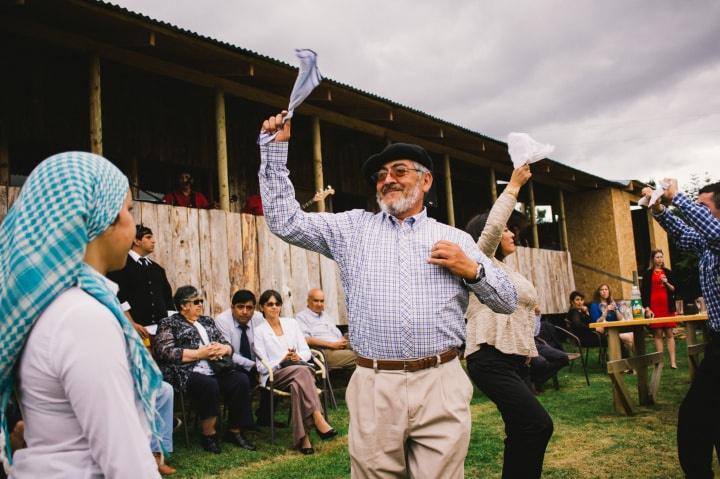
(499,346)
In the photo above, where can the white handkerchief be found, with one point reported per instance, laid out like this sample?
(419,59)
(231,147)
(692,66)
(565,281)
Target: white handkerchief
(656,194)
(308,78)
(523,149)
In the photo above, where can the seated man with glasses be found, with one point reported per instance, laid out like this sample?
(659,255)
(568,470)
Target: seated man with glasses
(407,280)
(186,344)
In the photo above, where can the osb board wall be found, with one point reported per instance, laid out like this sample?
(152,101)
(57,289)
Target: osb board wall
(550,272)
(593,238)
(627,263)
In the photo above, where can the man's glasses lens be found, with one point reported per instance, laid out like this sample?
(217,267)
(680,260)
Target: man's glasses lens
(398,171)
(198,301)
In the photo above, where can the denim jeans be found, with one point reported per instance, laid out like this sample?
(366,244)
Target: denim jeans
(164,405)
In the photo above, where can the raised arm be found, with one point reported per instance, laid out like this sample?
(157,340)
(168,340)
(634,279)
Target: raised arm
(325,233)
(501,211)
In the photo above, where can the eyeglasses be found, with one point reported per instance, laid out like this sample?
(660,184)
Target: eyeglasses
(398,171)
(196,301)
(272,305)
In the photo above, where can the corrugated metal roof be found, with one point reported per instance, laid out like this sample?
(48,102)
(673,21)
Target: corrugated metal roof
(280,63)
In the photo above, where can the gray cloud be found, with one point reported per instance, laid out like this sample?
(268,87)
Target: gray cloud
(624,89)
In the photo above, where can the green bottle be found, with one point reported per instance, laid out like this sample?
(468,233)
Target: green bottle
(636,304)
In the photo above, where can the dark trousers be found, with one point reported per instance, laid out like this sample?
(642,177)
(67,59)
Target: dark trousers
(262,413)
(699,416)
(528,426)
(205,392)
(548,362)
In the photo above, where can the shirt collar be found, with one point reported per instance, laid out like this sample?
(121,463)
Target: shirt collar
(413,221)
(136,256)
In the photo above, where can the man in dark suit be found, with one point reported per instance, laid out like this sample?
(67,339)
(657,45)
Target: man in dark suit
(145,293)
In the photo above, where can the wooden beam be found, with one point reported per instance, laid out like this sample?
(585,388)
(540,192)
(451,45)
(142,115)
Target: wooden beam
(4,155)
(96,142)
(562,221)
(158,66)
(317,160)
(173,70)
(221,144)
(533,220)
(493,186)
(449,190)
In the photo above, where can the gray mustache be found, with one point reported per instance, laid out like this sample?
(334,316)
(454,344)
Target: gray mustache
(389,188)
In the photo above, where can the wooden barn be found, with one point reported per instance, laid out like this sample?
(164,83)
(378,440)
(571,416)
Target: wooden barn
(157,100)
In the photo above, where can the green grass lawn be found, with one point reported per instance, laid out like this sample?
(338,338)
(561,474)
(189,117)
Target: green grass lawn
(590,439)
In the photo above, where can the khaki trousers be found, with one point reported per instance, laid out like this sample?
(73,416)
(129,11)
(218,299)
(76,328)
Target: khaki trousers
(414,425)
(340,358)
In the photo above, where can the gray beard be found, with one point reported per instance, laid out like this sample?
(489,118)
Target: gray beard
(403,204)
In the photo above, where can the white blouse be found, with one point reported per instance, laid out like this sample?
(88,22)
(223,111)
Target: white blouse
(81,416)
(273,348)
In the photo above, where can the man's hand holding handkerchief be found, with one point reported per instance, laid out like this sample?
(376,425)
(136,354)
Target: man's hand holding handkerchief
(308,78)
(523,149)
(654,196)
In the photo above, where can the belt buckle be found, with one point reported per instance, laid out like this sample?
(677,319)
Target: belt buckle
(438,360)
(405,366)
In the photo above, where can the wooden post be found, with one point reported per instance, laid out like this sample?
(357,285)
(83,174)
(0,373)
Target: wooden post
(317,161)
(563,223)
(4,156)
(493,186)
(449,190)
(96,144)
(134,177)
(221,144)
(533,220)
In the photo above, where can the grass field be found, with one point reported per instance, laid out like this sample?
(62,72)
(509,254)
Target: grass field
(590,439)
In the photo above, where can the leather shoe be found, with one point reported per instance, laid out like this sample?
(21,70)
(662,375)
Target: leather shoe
(307,451)
(163,468)
(209,443)
(239,440)
(328,434)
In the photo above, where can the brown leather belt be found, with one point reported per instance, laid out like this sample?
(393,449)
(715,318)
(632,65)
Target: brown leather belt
(409,365)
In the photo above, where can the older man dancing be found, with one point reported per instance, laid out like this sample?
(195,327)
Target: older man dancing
(406,279)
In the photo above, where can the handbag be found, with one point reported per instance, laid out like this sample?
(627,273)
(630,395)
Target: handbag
(222,365)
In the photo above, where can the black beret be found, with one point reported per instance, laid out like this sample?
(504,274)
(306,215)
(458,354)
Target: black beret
(396,151)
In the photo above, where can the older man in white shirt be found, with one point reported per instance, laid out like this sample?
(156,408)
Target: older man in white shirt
(322,333)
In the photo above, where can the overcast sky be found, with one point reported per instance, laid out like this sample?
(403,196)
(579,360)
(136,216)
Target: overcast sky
(623,89)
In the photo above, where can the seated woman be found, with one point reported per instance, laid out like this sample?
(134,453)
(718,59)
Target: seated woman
(579,318)
(280,341)
(604,308)
(185,344)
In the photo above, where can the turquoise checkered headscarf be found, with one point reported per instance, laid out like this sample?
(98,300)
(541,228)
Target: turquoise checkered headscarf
(67,201)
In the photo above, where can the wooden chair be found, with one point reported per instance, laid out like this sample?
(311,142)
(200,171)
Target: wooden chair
(320,374)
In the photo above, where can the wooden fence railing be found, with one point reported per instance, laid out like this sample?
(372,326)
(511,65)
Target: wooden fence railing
(222,252)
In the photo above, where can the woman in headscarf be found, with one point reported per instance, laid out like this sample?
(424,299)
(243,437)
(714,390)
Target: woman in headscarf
(87,385)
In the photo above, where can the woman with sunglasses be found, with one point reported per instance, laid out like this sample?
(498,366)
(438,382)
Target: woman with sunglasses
(184,345)
(281,342)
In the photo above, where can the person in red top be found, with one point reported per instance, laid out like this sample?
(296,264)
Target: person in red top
(185,196)
(658,296)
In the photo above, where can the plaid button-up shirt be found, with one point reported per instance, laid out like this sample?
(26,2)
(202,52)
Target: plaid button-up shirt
(701,235)
(399,305)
